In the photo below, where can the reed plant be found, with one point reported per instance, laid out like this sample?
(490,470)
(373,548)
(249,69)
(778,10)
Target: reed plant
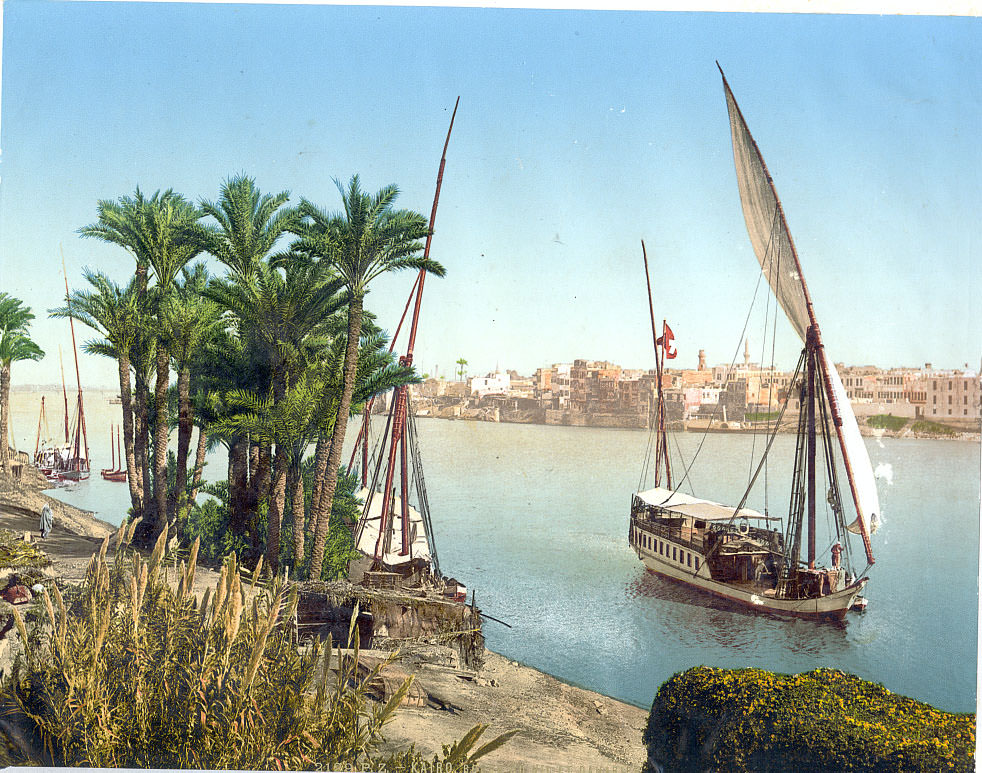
(133,670)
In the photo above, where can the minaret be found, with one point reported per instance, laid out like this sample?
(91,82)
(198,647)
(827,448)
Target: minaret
(702,359)
(746,354)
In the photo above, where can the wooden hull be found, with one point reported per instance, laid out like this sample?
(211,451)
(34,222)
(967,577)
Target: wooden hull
(115,475)
(73,475)
(831,606)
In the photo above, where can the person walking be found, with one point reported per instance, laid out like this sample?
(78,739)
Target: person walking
(47,520)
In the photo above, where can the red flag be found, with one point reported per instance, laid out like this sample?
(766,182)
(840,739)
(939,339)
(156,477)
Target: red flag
(665,341)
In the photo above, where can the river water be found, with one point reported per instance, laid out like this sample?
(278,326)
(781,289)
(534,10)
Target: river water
(535,520)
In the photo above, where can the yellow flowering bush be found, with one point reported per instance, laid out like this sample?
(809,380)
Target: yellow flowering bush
(712,719)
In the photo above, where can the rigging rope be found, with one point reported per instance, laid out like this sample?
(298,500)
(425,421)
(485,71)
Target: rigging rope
(726,380)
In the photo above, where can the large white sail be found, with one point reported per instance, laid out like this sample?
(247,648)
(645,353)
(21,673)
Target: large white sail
(862,478)
(775,251)
(766,225)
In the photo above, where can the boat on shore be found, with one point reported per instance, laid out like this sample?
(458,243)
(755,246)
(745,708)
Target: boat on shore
(395,536)
(737,553)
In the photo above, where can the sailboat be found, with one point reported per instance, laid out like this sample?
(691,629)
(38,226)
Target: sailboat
(396,536)
(116,472)
(77,464)
(737,553)
(68,461)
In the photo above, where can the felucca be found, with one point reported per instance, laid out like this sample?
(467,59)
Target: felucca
(735,552)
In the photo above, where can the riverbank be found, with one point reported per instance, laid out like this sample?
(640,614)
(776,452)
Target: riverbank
(920,429)
(558,725)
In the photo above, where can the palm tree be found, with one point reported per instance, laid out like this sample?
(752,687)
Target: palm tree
(462,369)
(278,423)
(367,239)
(280,314)
(249,224)
(15,345)
(190,320)
(113,312)
(162,235)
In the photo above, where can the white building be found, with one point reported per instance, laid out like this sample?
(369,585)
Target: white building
(492,384)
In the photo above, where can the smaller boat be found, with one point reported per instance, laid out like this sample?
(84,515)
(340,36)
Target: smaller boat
(116,471)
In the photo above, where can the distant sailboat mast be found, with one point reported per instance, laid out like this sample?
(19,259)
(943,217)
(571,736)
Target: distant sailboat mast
(81,436)
(661,441)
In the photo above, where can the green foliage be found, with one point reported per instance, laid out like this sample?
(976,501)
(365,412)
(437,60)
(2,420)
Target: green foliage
(932,428)
(208,522)
(761,417)
(710,719)
(132,671)
(16,553)
(887,421)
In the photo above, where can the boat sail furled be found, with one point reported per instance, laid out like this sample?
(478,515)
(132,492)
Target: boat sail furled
(396,536)
(772,243)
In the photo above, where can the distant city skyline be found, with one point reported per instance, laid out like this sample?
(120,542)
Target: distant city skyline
(579,134)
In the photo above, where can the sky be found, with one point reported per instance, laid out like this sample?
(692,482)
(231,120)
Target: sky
(579,134)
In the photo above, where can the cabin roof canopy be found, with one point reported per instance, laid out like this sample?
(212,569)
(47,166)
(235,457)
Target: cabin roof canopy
(692,507)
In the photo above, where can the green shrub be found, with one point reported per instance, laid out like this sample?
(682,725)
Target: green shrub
(887,421)
(710,719)
(932,428)
(130,672)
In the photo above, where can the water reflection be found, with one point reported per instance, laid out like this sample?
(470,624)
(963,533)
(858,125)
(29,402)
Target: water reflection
(698,618)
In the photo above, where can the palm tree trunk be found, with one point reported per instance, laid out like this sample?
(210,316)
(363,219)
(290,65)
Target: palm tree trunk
(337,439)
(238,484)
(277,500)
(320,472)
(126,398)
(185,425)
(4,417)
(160,439)
(261,480)
(141,443)
(297,506)
(199,465)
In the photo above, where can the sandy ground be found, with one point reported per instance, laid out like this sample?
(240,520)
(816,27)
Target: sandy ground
(560,727)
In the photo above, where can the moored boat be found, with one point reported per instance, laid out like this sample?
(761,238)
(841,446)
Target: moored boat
(732,551)
(394,535)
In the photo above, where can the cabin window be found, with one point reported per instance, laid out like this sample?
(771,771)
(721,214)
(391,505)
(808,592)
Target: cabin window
(675,554)
(688,559)
(697,563)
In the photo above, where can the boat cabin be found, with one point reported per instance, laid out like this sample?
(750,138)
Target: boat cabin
(747,549)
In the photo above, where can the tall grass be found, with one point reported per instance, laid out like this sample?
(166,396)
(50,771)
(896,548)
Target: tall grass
(131,670)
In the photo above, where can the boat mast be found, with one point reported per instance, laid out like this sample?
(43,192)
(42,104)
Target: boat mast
(813,335)
(810,470)
(362,439)
(661,442)
(64,391)
(399,406)
(37,443)
(80,434)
